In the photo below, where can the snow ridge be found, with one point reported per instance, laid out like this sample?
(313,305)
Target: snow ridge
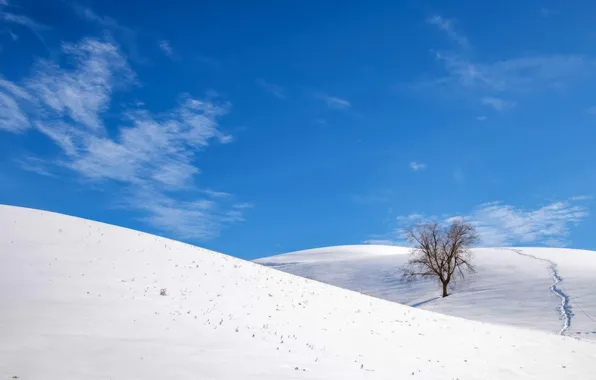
(565,308)
(85,303)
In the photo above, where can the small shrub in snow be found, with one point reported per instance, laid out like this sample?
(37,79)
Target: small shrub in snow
(163,292)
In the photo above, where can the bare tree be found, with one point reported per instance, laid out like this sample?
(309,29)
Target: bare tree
(442,252)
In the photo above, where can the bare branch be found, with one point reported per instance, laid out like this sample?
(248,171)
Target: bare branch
(440,252)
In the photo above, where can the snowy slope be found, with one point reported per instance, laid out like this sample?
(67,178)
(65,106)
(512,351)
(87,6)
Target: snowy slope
(81,300)
(511,286)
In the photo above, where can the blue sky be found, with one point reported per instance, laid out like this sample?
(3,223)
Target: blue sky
(255,128)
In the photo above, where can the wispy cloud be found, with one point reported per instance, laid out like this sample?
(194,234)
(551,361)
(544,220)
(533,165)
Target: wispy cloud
(157,148)
(447,26)
(500,224)
(35,165)
(517,75)
(467,75)
(83,94)
(13,36)
(417,166)
(14,89)
(152,156)
(12,118)
(583,197)
(23,21)
(481,118)
(166,48)
(271,88)
(125,35)
(497,104)
(380,241)
(216,194)
(35,27)
(203,218)
(335,102)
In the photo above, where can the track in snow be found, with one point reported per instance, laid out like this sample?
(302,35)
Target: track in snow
(565,308)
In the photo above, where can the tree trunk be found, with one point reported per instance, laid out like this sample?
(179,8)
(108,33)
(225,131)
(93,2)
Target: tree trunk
(445,289)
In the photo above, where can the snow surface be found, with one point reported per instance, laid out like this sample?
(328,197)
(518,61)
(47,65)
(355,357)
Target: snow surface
(81,300)
(548,289)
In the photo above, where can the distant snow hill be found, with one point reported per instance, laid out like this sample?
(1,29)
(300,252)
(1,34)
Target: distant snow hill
(547,289)
(86,300)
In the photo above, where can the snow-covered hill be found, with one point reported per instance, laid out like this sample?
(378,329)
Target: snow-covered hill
(81,300)
(540,288)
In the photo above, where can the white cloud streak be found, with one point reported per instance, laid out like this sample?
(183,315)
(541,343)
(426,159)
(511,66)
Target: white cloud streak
(417,166)
(35,165)
(271,88)
(203,218)
(335,102)
(584,197)
(128,37)
(36,28)
(159,148)
(517,75)
(216,194)
(12,118)
(166,48)
(447,26)
(380,241)
(152,155)
(14,89)
(497,104)
(12,35)
(500,224)
(23,21)
(83,94)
